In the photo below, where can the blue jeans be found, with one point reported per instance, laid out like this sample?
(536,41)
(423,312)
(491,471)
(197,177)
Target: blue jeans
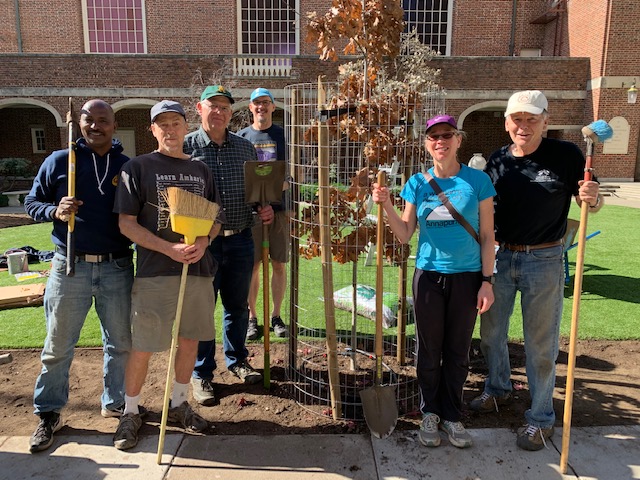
(234,255)
(67,301)
(539,277)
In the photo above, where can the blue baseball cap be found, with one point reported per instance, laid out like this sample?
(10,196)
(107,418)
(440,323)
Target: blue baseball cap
(261,92)
(166,106)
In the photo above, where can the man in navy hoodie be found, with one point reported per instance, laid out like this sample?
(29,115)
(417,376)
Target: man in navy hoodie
(103,268)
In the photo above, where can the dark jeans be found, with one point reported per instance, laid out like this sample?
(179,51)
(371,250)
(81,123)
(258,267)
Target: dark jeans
(234,255)
(445,312)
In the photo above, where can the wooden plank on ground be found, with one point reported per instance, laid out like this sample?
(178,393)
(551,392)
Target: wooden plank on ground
(22,295)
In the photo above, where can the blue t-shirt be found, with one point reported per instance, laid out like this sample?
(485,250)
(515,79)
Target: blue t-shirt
(443,244)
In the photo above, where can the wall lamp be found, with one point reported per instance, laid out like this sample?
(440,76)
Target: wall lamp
(632,94)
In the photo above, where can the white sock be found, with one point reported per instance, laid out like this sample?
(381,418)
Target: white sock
(131,404)
(179,394)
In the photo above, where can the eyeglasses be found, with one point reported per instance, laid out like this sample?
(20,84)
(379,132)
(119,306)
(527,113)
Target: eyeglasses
(443,136)
(219,108)
(262,103)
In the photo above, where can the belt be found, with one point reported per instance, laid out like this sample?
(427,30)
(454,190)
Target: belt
(527,248)
(228,233)
(97,258)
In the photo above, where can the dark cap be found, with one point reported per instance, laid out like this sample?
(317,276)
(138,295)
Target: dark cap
(438,119)
(214,91)
(166,106)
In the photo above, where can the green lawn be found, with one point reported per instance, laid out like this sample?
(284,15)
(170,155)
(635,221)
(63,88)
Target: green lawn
(610,303)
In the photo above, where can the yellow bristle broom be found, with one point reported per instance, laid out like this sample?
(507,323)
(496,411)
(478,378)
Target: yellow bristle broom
(192,216)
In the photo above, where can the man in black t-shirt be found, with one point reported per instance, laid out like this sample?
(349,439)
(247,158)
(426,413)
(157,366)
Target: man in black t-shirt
(535,179)
(161,255)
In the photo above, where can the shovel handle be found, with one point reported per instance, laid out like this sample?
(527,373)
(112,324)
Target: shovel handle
(382,182)
(265,306)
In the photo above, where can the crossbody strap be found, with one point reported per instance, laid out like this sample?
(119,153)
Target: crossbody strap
(452,210)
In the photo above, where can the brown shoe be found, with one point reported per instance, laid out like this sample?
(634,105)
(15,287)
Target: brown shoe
(533,438)
(486,402)
(187,418)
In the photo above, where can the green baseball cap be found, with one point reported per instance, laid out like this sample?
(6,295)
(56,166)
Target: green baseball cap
(214,91)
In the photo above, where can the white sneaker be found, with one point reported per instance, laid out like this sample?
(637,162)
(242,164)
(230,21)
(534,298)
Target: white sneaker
(428,434)
(458,435)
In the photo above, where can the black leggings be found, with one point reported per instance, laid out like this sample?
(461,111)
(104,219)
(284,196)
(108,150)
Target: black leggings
(445,312)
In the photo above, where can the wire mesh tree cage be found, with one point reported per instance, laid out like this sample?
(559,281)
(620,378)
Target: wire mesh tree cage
(338,141)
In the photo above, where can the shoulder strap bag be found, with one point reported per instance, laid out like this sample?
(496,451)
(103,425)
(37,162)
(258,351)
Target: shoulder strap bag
(452,210)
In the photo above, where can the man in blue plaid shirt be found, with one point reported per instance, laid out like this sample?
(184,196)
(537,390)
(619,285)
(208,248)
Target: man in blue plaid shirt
(225,154)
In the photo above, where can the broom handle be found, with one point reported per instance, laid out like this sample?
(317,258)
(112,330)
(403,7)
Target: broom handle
(265,305)
(575,315)
(172,359)
(382,181)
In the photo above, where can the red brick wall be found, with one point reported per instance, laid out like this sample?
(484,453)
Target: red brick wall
(483,27)
(15,134)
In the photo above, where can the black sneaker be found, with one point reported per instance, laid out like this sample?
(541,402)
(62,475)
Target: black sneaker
(246,373)
(279,328)
(117,413)
(126,435)
(252,329)
(203,391)
(42,438)
(187,418)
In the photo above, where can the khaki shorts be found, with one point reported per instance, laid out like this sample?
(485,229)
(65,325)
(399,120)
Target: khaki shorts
(279,238)
(153,309)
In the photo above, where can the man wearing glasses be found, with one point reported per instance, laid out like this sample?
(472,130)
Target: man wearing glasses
(268,139)
(225,153)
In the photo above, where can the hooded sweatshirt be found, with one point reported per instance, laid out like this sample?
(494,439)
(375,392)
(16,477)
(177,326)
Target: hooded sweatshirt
(96,225)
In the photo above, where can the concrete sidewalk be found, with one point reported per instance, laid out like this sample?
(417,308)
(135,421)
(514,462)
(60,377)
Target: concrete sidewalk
(603,453)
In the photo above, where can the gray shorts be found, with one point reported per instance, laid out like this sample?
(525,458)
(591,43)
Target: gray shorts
(153,309)
(279,238)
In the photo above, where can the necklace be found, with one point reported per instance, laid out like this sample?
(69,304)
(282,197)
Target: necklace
(99,180)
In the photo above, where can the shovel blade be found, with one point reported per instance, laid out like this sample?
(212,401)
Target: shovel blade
(263,181)
(380,409)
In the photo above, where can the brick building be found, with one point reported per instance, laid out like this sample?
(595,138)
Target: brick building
(132,53)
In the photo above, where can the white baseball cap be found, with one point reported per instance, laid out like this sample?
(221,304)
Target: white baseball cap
(530,101)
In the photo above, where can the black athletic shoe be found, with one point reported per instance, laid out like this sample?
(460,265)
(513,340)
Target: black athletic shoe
(246,373)
(42,438)
(279,328)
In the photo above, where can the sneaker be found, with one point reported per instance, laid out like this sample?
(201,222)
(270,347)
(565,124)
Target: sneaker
(486,402)
(252,329)
(458,435)
(187,418)
(126,435)
(117,413)
(279,328)
(203,391)
(533,438)
(246,373)
(428,434)
(42,438)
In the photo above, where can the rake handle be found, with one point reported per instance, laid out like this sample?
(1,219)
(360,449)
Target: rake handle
(575,315)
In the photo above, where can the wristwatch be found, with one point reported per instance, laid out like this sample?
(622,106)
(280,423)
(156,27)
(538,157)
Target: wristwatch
(491,279)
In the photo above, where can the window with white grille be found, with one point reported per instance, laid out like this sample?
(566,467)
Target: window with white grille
(432,21)
(268,27)
(114,26)
(38,140)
